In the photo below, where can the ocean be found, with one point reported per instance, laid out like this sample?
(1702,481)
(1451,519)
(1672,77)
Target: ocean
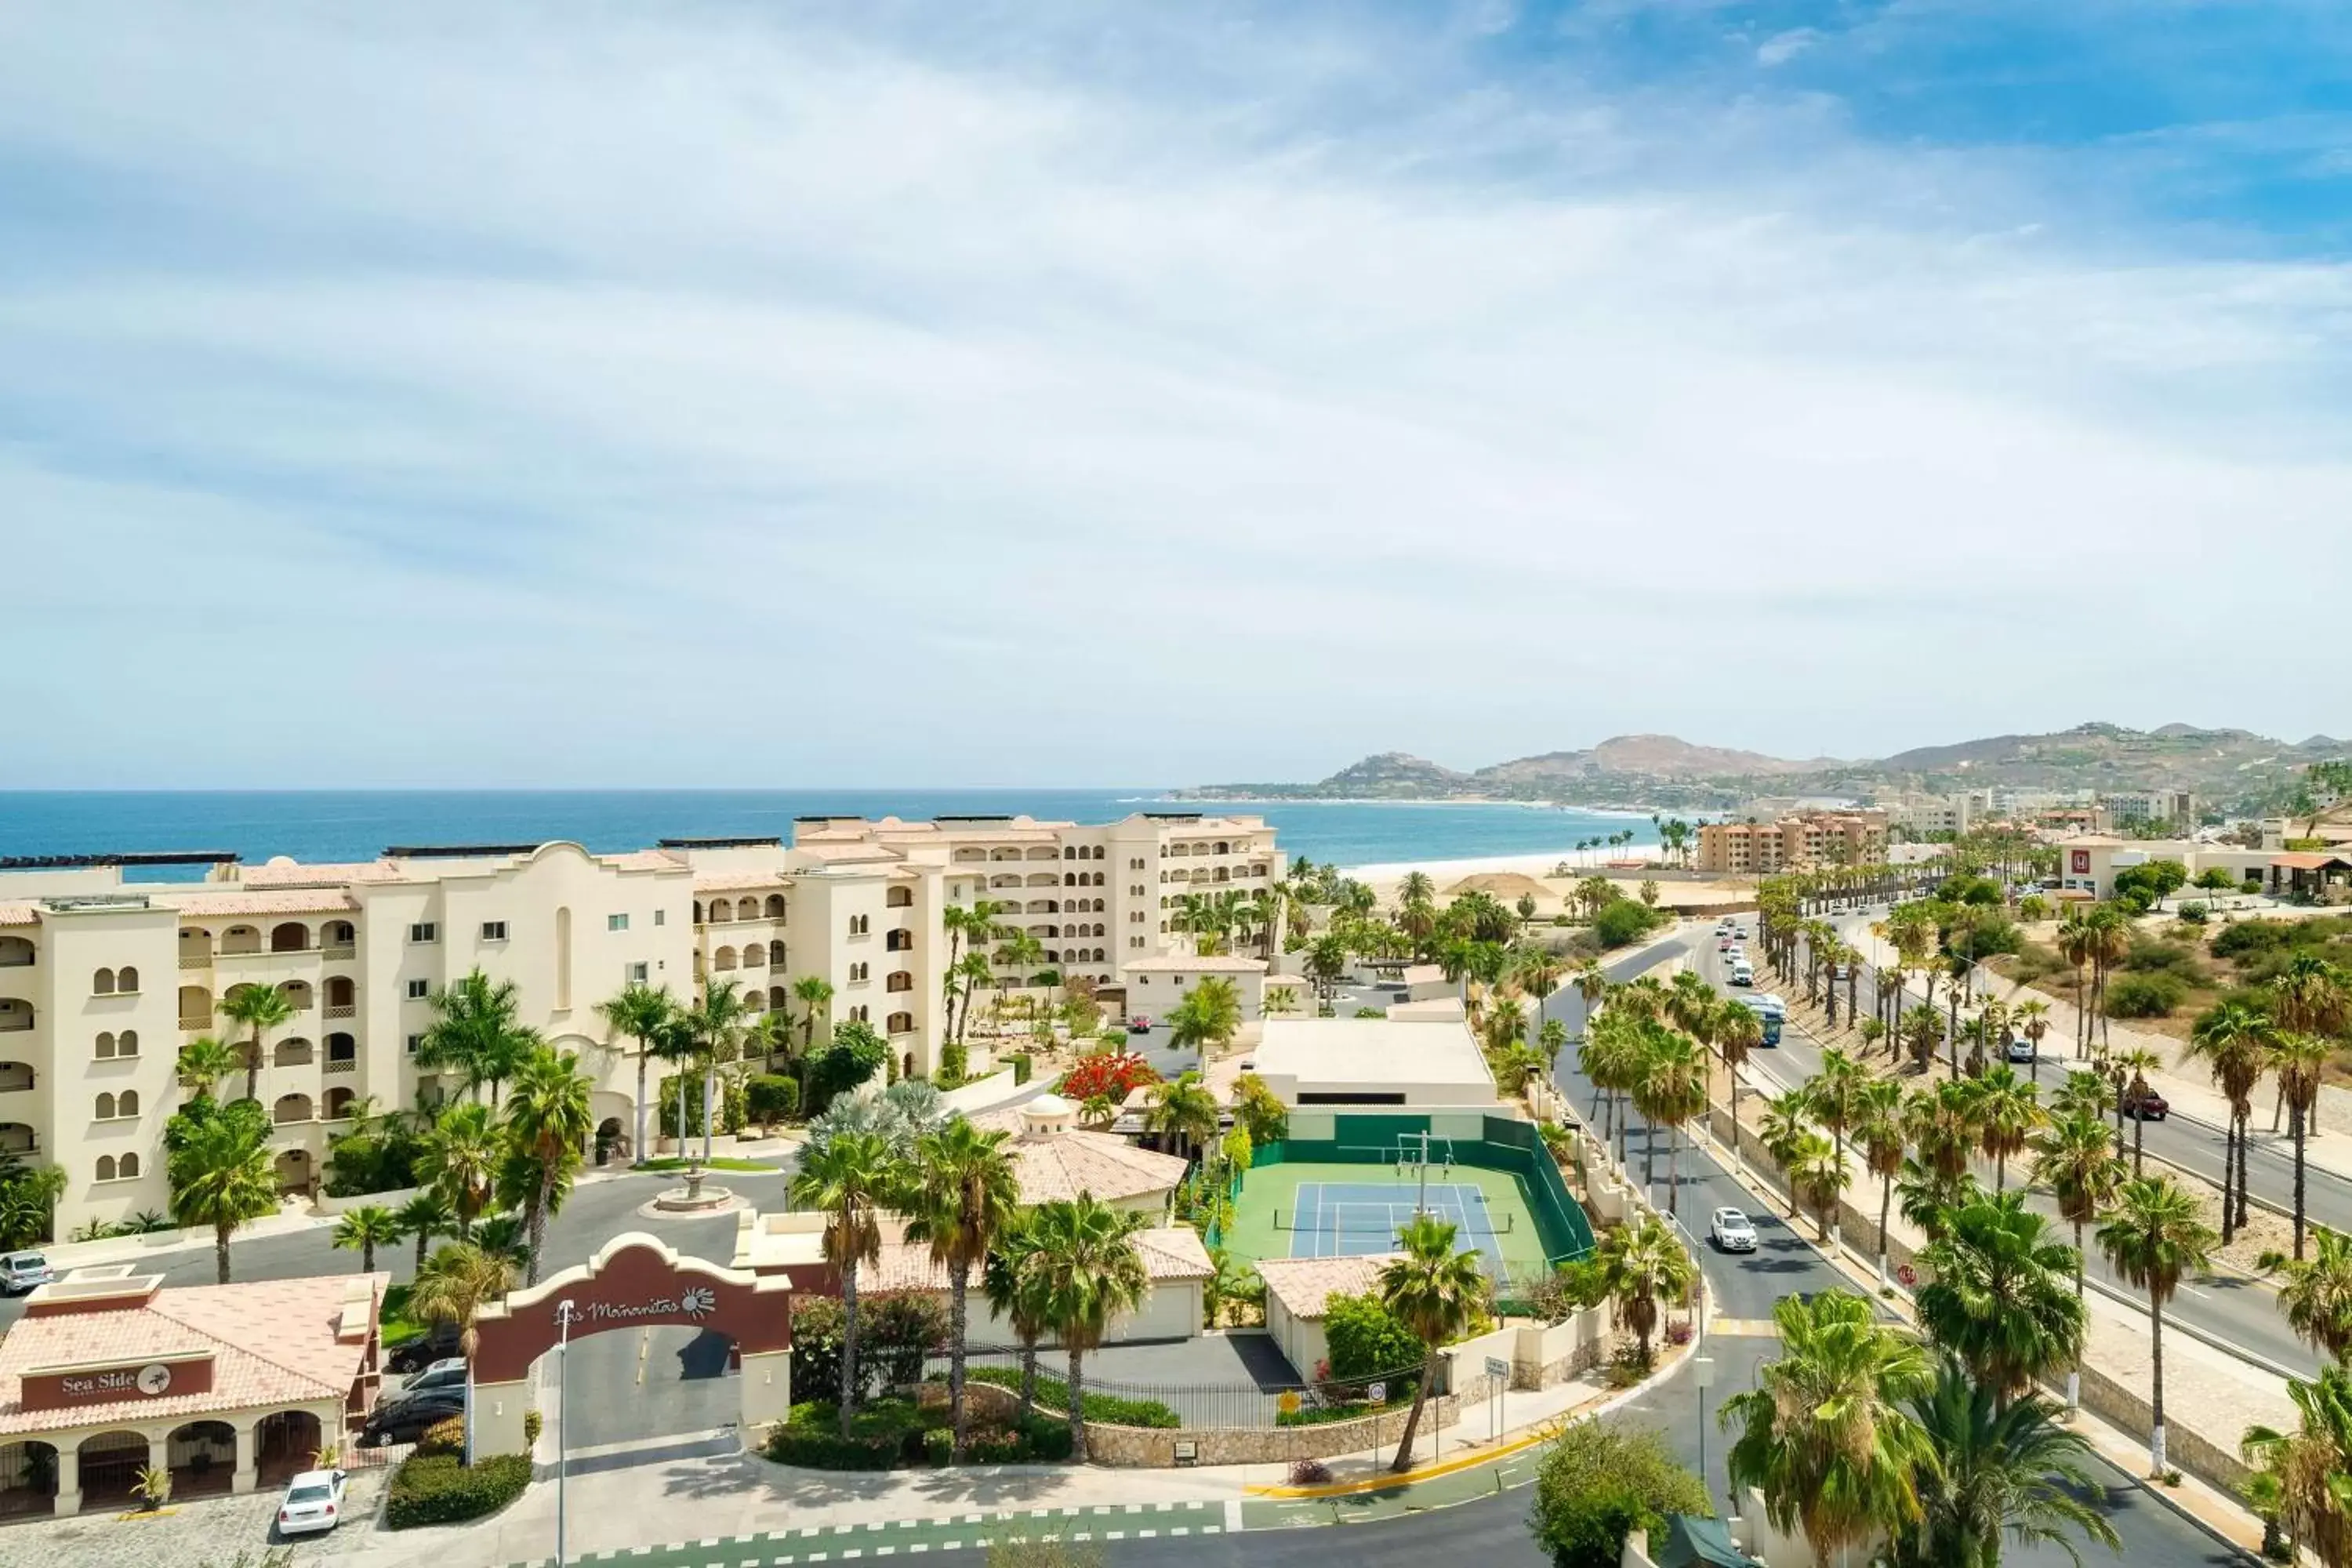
(357,825)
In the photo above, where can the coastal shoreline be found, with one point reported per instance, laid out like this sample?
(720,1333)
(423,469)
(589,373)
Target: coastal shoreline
(1531,864)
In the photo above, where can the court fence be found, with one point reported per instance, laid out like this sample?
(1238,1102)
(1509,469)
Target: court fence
(1507,1145)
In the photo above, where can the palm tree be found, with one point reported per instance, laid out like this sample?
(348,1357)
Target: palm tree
(2233,1040)
(424,1216)
(1183,1109)
(852,1177)
(1089,1273)
(2032,1020)
(1205,1019)
(2007,1113)
(814,993)
(548,1123)
(504,1236)
(221,1174)
(365,1228)
(1738,1030)
(1670,1092)
(1538,971)
(453,1286)
(2316,1297)
(2109,944)
(1636,1266)
(259,1008)
(1922,1030)
(975,926)
(460,1160)
(477,1030)
(2303,1480)
(203,1063)
(1998,1467)
(2300,1060)
(1435,1291)
(640,1012)
(2074,1159)
(2085,1093)
(1014,1285)
(1878,1131)
(962,1200)
(1999,1297)
(2152,1239)
(717,1022)
(1943,1126)
(1819,1174)
(1833,1092)
(1824,1434)
(1787,1122)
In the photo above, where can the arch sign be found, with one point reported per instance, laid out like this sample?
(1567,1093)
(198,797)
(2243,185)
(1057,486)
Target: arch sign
(634,1282)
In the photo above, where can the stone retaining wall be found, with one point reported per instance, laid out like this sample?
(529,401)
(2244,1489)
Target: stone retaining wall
(1140,1447)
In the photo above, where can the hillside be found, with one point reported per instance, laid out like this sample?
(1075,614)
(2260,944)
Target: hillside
(2230,769)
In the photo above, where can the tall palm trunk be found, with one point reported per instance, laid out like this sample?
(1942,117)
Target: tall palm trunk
(1077,1404)
(535,1222)
(220,1249)
(2074,1372)
(424,1236)
(849,1347)
(2155,1387)
(1886,1204)
(2139,1146)
(709,1089)
(1738,1159)
(1673,1168)
(2228,1176)
(2245,1136)
(959,1291)
(2295,1130)
(1403,1460)
(252,1083)
(638,1150)
(1028,1376)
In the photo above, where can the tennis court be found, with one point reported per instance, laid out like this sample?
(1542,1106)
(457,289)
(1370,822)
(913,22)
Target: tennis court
(1324,1210)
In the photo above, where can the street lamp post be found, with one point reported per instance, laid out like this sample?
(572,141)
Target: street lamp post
(1703,1371)
(563,1316)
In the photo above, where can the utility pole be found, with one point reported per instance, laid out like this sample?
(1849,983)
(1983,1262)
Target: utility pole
(563,1316)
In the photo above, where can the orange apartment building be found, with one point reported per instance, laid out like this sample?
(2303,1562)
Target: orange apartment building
(1811,839)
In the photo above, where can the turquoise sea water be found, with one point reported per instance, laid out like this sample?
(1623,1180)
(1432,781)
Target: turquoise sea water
(357,825)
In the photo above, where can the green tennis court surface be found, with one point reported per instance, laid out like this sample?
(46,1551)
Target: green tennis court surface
(1325,1210)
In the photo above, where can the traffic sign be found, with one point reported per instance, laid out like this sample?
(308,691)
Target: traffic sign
(1497,1367)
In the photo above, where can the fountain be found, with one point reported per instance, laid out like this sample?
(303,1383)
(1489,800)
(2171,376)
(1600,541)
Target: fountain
(695,1197)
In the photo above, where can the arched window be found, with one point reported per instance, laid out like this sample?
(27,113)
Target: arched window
(899,898)
(126,1044)
(127,1167)
(898,941)
(900,1023)
(241,939)
(106,1167)
(1098,881)
(777,997)
(1099,851)
(298,995)
(775,955)
(899,980)
(291,1107)
(755,956)
(775,907)
(290,936)
(196,1007)
(339,1104)
(105,1111)
(723,959)
(343,1049)
(104,1050)
(127,1103)
(1069,879)
(722,911)
(126,981)
(102,982)
(341,992)
(342,933)
(697,911)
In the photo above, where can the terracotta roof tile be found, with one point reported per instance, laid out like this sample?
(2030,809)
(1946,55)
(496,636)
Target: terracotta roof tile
(291,901)
(1063,1164)
(1304,1285)
(283,873)
(19,915)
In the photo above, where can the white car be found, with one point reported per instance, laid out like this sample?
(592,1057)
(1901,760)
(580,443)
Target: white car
(1741,974)
(1732,1231)
(313,1502)
(2018,1049)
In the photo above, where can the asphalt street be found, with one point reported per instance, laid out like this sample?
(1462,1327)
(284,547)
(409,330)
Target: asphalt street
(2230,1307)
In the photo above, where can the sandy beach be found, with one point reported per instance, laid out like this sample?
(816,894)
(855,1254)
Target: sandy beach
(1512,874)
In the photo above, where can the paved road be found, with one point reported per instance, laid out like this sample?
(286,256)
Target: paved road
(2229,1306)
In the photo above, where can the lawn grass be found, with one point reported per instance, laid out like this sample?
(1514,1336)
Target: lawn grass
(720,1163)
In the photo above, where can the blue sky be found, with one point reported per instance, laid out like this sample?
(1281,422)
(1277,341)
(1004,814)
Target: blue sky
(731,394)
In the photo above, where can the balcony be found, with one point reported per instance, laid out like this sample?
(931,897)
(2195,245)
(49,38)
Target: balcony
(196,960)
(15,1078)
(12,1022)
(335,1066)
(340,1009)
(343,954)
(292,1056)
(195,1026)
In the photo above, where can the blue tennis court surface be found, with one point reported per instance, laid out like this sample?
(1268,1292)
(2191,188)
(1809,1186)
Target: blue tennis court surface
(1349,1220)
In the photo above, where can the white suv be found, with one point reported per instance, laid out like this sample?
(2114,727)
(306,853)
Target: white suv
(1732,1230)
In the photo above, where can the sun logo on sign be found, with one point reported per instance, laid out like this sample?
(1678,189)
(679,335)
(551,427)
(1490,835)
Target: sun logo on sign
(696,1303)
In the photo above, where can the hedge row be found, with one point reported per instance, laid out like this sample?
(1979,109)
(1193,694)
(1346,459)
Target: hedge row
(1054,1394)
(435,1488)
(890,1433)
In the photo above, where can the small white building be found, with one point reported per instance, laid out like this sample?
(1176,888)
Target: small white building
(1427,983)
(1427,1065)
(1298,1292)
(1155,985)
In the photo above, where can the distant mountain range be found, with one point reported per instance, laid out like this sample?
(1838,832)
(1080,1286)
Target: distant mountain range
(2235,770)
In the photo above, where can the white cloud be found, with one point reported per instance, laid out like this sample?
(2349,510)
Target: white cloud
(841,403)
(1782,48)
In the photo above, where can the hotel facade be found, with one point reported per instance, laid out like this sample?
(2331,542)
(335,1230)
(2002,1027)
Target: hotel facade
(1810,840)
(104,976)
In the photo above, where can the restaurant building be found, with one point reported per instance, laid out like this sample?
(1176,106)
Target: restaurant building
(230,1387)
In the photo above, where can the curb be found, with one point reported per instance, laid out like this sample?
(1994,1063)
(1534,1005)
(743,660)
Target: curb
(1409,1477)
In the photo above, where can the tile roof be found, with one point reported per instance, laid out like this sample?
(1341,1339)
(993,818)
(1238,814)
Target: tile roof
(284,873)
(857,849)
(645,860)
(729,881)
(291,901)
(1304,1285)
(272,1341)
(19,915)
(1174,1252)
(2307,861)
(1177,963)
(1063,1164)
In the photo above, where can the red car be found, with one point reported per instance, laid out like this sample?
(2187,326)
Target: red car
(1138,1025)
(2144,1104)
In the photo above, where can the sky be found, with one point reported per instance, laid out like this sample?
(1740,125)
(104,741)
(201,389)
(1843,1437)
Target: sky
(797,395)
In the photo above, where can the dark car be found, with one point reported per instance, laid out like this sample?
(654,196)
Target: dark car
(438,1343)
(2144,1104)
(405,1417)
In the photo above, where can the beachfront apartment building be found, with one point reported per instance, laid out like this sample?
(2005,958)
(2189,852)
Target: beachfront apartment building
(104,976)
(1791,843)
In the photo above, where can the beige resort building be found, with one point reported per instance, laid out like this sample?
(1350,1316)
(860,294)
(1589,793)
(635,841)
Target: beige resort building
(103,976)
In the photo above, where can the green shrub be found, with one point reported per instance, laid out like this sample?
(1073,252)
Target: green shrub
(533,1424)
(1324,1414)
(1364,1339)
(1019,1062)
(435,1488)
(1599,1482)
(882,1435)
(2151,995)
(686,1088)
(955,1065)
(1624,920)
(771,1097)
(2195,912)
(1054,1395)
(938,1446)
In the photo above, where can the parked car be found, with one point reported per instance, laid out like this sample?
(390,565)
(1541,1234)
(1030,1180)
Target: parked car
(1138,1025)
(1733,1231)
(23,1271)
(438,1342)
(449,1372)
(2020,1049)
(2144,1104)
(405,1417)
(313,1502)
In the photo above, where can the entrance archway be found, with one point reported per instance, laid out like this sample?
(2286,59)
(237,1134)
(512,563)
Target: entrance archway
(284,1444)
(110,1466)
(611,1140)
(203,1457)
(636,1281)
(28,1478)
